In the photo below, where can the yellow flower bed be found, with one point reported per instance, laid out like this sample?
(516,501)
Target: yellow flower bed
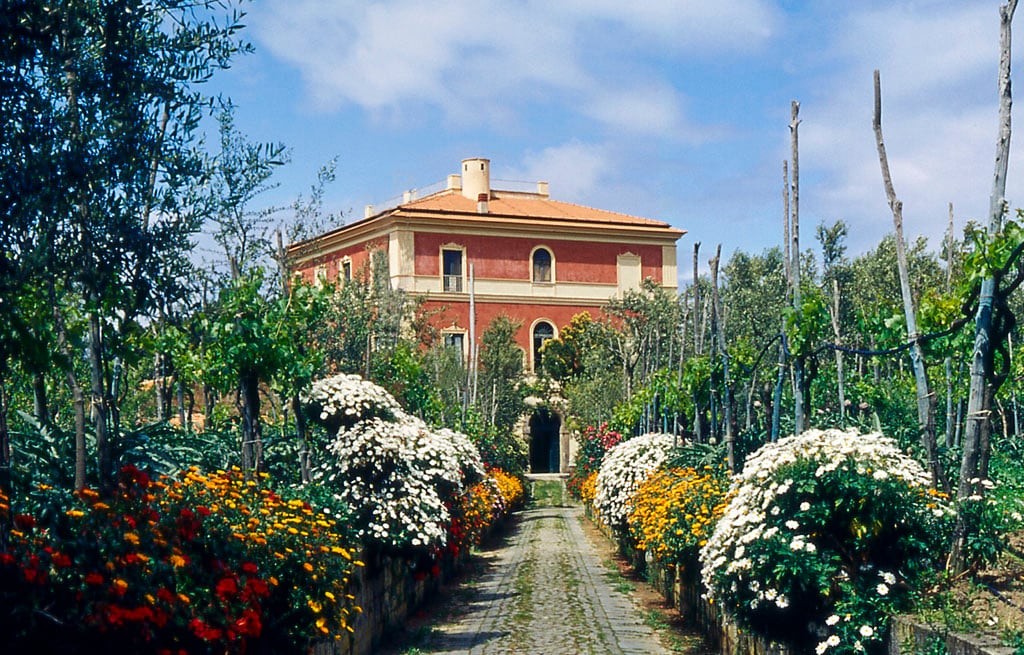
(588,489)
(676,509)
(511,488)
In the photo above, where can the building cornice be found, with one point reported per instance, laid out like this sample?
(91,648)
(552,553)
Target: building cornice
(475,224)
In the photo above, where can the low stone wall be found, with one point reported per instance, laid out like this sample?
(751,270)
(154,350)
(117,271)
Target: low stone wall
(683,589)
(387,590)
(911,637)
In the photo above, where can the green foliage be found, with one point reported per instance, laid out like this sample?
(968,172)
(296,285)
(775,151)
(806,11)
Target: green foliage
(501,368)
(662,401)
(566,357)
(992,254)
(827,536)
(754,295)
(992,515)
(806,329)
(591,448)
(404,374)
(501,449)
(40,456)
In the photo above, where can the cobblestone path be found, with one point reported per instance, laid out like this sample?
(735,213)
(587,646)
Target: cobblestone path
(545,592)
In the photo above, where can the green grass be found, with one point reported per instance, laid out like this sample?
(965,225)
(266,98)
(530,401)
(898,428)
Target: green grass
(548,493)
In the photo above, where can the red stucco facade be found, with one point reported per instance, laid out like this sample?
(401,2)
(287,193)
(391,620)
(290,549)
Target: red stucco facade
(594,255)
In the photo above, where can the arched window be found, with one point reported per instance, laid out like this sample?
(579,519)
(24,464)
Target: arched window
(542,265)
(542,331)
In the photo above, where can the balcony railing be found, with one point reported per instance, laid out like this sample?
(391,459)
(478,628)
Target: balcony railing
(453,283)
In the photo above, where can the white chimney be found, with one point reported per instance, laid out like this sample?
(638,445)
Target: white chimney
(481,203)
(476,178)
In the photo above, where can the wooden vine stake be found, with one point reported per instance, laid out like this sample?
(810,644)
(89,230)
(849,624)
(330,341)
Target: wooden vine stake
(800,384)
(979,397)
(925,401)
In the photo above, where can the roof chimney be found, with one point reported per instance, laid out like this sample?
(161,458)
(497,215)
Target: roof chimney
(481,203)
(476,178)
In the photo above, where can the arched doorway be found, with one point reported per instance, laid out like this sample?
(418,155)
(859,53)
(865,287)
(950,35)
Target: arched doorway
(545,438)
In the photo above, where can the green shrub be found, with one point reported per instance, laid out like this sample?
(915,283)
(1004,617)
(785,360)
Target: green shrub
(828,534)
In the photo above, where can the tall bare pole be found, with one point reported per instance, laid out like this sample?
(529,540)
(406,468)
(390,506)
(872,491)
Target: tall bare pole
(839,353)
(979,399)
(948,363)
(799,393)
(719,330)
(781,370)
(698,346)
(925,400)
(785,226)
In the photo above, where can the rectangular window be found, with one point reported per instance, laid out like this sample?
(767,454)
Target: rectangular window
(452,270)
(346,271)
(455,340)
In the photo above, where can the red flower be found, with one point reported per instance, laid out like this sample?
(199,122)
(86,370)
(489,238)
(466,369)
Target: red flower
(249,624)
(226,588)
(202,510)
(24,521)
(94,579)
(188,524)
(6,559)
(204,631)
(132,475)
(61,560)
(256,587)
(249,568)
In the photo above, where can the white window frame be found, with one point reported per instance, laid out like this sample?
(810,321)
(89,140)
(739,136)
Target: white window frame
(452,247)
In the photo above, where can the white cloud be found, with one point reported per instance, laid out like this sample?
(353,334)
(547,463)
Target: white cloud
(740,25)
(651,109)
(921,49)
(574,170)
(938,69)
(486,61)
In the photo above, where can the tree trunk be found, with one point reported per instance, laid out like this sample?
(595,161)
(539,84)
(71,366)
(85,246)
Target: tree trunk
(77,396)
(98,400)
(184,417)
(249,392)
(302,433)
(925,400)
(40,405)
(5,445)
(979,398)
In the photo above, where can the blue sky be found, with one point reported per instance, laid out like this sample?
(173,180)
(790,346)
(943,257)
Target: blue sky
(673,110)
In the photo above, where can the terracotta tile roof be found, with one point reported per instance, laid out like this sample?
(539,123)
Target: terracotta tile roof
(526,207)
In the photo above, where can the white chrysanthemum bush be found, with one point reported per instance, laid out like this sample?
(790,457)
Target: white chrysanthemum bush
(341,401)
(398,475)
(623,469)
(826,537)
